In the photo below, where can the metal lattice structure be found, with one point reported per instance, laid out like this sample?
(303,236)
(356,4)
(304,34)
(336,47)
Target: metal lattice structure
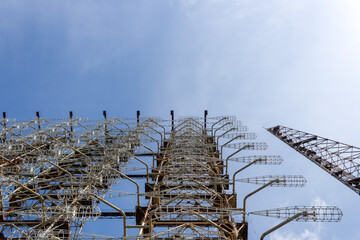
(55,175)
(318,214)
(190,195)
(284,180)
(49,169)
(340,160)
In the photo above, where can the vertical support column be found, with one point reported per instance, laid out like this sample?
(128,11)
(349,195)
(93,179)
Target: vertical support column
(172,120)
(71,126)
(3,136)
(38,116)
(106,130)
(205,115)
(71,117)
(4,117)
(138,117)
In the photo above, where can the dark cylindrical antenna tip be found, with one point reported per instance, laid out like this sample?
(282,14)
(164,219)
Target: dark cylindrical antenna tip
(71,114)
(104,114)
(205,115)
(172,119)
(4,114)
(138,116)
(38,114)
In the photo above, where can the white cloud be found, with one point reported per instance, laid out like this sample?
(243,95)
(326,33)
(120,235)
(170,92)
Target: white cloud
(319,202)
(290,235)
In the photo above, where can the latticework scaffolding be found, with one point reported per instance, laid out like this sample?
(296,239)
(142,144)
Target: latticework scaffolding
(188,197)
(340,160)
(57,174)
(50,168)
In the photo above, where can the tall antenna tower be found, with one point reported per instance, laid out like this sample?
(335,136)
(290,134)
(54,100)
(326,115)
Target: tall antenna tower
(57,174)
(340,160)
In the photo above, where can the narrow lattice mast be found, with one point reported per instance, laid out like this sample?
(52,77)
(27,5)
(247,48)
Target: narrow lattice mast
(340,160)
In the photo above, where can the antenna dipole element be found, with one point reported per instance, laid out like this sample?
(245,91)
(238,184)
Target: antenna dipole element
(286,180)
(266,159)
(320,213)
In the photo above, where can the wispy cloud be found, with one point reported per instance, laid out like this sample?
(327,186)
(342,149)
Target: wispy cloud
(318,201)
(314,234)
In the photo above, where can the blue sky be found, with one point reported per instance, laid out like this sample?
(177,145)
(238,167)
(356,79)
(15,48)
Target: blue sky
(267,62)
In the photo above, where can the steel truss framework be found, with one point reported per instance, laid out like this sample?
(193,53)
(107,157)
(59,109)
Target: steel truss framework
(189,197)
(55,173)
(340,160)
